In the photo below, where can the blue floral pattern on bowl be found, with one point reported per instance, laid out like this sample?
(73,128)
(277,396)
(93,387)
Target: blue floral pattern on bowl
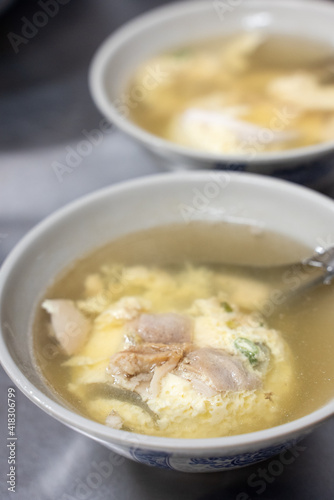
(149,457)
(165,460)
(309,173)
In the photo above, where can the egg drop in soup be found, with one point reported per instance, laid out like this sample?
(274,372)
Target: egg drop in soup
(157,333)
(246,94)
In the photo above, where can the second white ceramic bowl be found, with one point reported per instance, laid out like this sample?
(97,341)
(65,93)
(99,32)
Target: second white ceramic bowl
(187,22)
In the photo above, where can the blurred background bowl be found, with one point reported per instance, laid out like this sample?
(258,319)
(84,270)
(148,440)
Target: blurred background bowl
(187,22)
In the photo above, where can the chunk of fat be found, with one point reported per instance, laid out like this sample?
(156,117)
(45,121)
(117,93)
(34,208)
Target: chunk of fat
(70,327)
(114,420)
(304,91)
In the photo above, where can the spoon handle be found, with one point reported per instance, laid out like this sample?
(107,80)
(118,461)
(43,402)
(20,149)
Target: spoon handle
(323,259)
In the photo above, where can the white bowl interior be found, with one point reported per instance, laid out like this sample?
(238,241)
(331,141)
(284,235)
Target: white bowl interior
(95,220)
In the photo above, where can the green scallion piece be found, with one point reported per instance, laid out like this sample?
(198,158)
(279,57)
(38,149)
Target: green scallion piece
(226,306)
(248,349)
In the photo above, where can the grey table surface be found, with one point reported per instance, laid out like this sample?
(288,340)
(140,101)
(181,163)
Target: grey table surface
(45,107)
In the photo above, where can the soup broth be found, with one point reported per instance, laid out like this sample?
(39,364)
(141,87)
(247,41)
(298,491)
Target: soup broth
(247,94)
(284,362)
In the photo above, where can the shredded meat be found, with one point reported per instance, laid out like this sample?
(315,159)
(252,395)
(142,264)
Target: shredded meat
(169,328)
(218,370)
(137,367)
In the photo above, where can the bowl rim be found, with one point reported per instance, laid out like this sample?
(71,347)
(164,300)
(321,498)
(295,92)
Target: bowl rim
(99,431)
(124,34)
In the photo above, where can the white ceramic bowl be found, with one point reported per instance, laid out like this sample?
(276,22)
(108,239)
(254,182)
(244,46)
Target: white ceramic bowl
(187,22)
(121,209)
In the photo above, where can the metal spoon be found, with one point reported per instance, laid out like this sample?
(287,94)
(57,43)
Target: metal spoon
(290,280)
